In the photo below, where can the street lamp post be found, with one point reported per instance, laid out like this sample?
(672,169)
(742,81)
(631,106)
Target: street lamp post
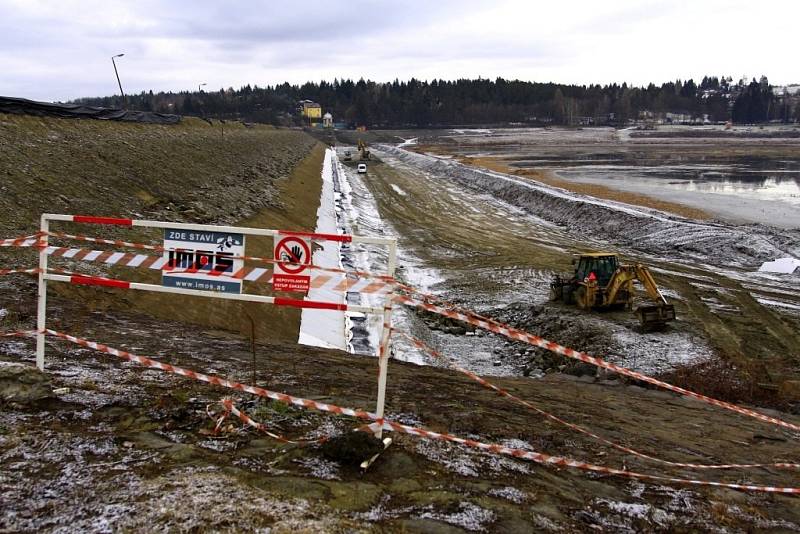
(199,86)
(124,103)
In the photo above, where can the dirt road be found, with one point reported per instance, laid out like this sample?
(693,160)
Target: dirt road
(492,249)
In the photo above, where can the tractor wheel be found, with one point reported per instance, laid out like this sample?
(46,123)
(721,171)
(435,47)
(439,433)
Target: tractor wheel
(568,294)
(580,298)
(556,292)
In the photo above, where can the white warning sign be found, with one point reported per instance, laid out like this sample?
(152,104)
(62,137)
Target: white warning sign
(203,260)
(293,256)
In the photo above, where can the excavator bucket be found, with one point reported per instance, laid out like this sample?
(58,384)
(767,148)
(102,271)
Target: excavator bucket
(654,317)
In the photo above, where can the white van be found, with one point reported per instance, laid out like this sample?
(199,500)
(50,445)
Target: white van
(362,168)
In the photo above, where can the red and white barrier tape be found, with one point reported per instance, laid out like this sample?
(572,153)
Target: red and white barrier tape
(35,270)
(365,282)
(518,335)
(271,261)
(230,407)
(25,241)
(215,380)
(115,242)
(485,383)
(560,461)
(397,427)
(4,272)
(382,283)
(248,274)
(19,333)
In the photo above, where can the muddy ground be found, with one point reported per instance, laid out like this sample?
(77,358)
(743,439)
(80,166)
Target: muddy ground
(189,172)
(195,171)
(103,445)
(123,447)
(497,241)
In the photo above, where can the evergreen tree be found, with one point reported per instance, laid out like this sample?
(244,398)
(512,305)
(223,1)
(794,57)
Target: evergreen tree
(463,102)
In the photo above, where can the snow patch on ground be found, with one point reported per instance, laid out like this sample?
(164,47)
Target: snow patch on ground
(398,190)
(471,462)
(781,265)
(320,468)
(639,511)
(469,516)
(658,352)
(778,304)
(408,142)
(510,493)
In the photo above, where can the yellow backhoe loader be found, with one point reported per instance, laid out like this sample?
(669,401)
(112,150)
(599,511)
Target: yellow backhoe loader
(601,282)
(362,148)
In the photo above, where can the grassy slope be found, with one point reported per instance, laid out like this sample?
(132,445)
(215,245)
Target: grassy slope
(183,172)
(299,195)
(256,176)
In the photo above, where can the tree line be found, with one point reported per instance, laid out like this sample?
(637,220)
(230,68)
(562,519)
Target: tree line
(416,103)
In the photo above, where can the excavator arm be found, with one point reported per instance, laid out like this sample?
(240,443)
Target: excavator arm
(651,317)
(644,276)
(654,316)
(623,278)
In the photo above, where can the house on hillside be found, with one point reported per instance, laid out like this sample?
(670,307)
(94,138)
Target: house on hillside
(311,112)
(327,120)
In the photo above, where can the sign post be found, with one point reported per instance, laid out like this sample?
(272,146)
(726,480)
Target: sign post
(293,256)
(41,312)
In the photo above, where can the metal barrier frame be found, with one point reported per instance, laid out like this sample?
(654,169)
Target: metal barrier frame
(45,276)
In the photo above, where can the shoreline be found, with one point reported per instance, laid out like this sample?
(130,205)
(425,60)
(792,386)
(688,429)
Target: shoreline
(551,178)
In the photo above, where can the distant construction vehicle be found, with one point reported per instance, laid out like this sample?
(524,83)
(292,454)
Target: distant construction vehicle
(347,155)
(601,282)
(362,148)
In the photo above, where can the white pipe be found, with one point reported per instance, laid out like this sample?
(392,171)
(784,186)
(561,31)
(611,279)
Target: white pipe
(383,354)
(247,297)
(215,228)
(41,307)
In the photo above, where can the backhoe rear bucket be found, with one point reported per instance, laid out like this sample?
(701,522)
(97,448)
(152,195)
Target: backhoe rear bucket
(654,317)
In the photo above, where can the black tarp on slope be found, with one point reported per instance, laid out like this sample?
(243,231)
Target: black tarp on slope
(78,111)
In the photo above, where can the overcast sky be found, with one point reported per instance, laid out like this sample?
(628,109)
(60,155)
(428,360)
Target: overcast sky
(61,49)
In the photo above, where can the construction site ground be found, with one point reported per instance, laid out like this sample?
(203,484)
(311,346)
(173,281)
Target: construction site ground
(130,448)
(498,257)
(121,447)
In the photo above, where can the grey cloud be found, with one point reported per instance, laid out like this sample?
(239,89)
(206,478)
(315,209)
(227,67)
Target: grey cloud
(61,50)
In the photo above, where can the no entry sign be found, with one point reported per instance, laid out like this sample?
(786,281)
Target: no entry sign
(297,252)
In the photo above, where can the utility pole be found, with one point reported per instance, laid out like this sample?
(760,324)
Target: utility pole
(199,86)
(124,103)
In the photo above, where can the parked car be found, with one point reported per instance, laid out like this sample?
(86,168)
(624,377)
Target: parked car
(362,168)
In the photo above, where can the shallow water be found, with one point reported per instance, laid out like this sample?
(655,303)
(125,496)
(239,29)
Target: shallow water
(758,177)
(741,189)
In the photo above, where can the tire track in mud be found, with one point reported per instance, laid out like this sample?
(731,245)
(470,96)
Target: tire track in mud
(632,226)
(495,256)
(461,229)
(358,338)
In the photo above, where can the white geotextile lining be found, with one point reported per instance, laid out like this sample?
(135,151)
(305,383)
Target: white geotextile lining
(325,328)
